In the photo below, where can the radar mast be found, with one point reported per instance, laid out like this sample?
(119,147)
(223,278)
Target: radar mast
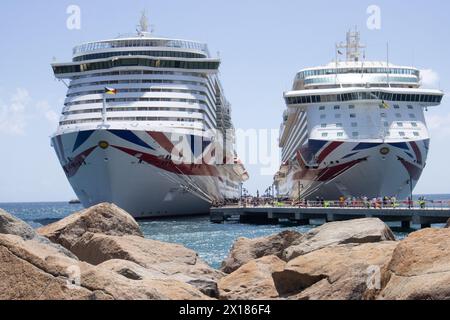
(352,46)
(143,24)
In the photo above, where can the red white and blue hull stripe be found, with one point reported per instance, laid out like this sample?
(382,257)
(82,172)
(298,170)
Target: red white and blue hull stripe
(135,170)
(331,169)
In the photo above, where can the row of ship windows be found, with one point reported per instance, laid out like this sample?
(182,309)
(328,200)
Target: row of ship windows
(172,54)
(158,81)
(124,109)
(114,100)
(356,134)
(138,90)
(69,122)
(374,95)
(352,107)
(373,79)
(320,72)
(139,72)
(136,62)
(139,43)
(354,115)
(355,124)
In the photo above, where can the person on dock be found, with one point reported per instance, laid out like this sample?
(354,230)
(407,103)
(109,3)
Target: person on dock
(422,203)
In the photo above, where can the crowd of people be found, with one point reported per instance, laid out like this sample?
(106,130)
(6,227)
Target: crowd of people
(342,202)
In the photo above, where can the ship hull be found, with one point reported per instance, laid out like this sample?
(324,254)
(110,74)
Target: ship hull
(354,169)
(134,170)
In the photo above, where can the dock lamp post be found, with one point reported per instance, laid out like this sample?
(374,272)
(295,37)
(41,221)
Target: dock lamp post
(300,187)
(241,191)
(410,182)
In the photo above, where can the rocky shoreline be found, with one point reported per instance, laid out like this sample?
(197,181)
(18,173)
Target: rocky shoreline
(101,254)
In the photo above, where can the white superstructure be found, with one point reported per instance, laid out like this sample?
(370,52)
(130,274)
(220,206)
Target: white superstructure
(354,128)
(162,142)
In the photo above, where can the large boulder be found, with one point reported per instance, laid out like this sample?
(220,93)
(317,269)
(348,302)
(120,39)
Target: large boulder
(344,272)
(104,218)
(245,250)
(368,230)
(31,270)
(252,281)
(11,225)
(163,260)
(420,267)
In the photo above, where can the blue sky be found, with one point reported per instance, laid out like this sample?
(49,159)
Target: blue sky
(262,45)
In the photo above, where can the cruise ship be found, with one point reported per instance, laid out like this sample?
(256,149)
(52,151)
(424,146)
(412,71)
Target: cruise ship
(146,125)
(354,128)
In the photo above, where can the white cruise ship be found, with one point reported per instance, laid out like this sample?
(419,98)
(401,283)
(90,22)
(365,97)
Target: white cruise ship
(145,125)
(354,128)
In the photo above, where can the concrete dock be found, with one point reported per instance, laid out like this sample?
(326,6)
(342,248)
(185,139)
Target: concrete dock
(303,216)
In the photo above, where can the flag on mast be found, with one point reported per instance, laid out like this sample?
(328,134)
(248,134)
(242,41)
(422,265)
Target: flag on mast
(384,105)
(110,90)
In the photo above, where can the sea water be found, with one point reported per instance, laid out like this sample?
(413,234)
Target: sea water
(212,241)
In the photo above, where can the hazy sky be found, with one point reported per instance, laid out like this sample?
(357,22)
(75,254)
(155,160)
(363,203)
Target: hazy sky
(261,43)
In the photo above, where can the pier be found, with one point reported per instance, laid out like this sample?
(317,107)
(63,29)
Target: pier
(424,217)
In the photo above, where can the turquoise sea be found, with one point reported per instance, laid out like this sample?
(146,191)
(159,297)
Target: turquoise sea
(211,241)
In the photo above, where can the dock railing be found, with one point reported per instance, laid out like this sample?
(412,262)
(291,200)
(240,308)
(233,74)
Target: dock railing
(357,204)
